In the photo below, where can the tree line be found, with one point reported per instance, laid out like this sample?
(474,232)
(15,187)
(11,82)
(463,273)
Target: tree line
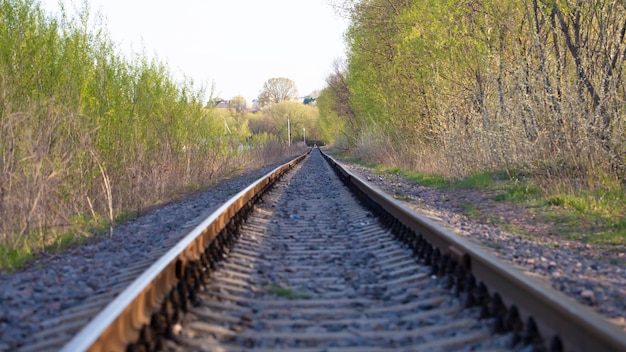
(457,87)
(278,113)
(89,136)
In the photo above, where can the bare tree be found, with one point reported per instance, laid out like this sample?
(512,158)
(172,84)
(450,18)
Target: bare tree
(277,90)
(338,85)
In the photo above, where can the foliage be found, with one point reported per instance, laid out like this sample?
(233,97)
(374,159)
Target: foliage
(427,180)
(286,292)
(277,90)
(86,132)
(521,192)
(337,119)
(591,216)
(493,83)
(461,88)
(595,217)
(279,118)
(238,103)
(332,127)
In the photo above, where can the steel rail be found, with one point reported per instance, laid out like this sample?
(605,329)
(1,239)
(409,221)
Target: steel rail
(565,323)
(119,324)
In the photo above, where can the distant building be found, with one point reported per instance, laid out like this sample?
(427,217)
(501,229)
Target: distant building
(223,104)
(255,107)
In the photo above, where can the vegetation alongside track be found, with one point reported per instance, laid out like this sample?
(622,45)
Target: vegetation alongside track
(456,89)
(466,88)
(592,216)
(89,136)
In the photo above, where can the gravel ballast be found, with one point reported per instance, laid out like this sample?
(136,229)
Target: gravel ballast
(315,270)
(56,283)
(591,275)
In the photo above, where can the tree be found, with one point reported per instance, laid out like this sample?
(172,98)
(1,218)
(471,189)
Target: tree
(238,103)
(547,76)
(277,90)
(293,117)
(336,117)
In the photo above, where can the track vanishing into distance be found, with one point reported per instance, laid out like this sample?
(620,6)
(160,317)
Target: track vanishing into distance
(315,270)
(299,261)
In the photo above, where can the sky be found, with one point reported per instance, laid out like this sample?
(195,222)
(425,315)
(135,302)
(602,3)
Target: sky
(232,45)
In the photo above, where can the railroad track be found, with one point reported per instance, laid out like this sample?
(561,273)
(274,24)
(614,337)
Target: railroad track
(313,269)
(309,267)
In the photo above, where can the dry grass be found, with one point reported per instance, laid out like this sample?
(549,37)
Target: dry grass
(56,189)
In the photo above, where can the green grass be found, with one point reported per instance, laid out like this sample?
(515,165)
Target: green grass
(435,181)
(521,192)
(595,217)
(404,198)
(471,210)
(286,292)
(14,257)
(124,216)
(399,195)
(51,240)
(478,181)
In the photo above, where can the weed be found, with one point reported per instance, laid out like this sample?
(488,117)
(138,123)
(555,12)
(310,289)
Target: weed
(395,170)
(500,197)
(592,217)
(12,258)
(435,181)
(286,292)
(472,210)
(124,216)
(477,181)
(514,230)
(522,192)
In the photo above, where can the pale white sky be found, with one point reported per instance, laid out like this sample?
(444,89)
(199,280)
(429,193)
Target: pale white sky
(235,44)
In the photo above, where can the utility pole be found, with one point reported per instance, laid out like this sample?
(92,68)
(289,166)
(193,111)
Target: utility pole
(288,131)
(304,135)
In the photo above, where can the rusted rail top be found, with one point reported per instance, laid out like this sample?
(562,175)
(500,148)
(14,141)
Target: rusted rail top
(120,322)
(578,327)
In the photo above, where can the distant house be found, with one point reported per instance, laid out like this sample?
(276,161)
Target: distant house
(223,104)
(255,107)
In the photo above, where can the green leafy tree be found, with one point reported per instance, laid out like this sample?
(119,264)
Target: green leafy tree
(292,116)
(336,118)
(238,104)
(83,130)
(429,74)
